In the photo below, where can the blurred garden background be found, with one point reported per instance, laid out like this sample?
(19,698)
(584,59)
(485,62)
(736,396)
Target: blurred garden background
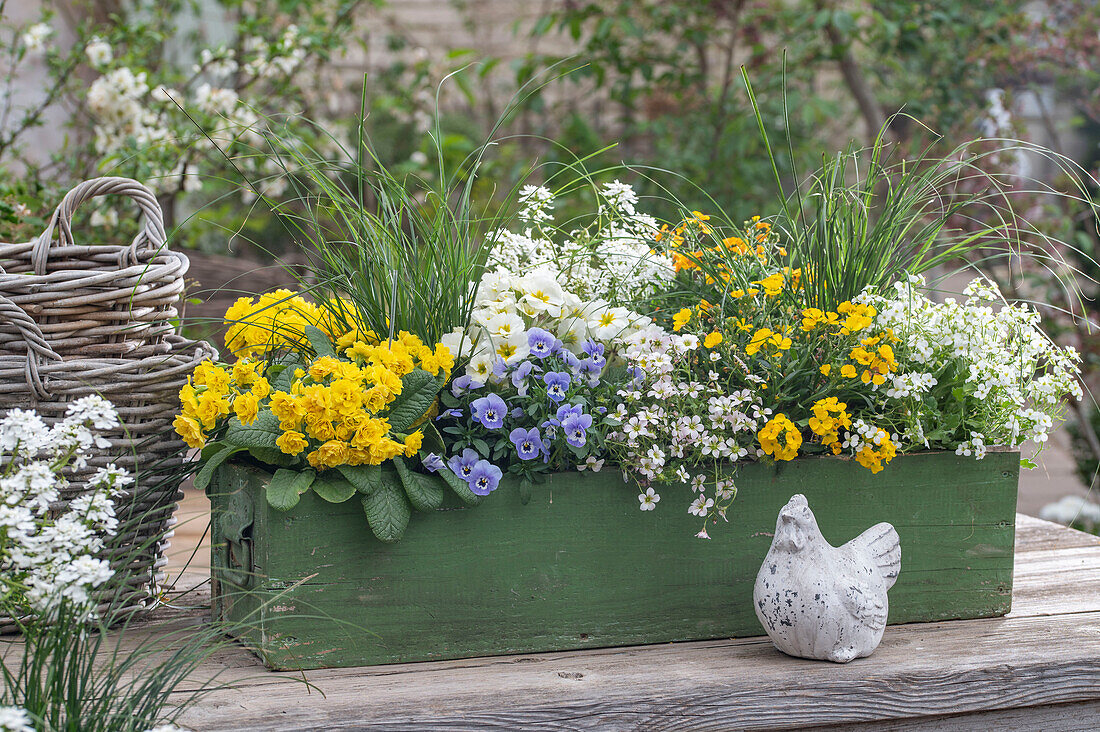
(178,93)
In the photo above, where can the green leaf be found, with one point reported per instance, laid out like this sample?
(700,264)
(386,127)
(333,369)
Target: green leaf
(425,492)
(332,487)
(318,341)
(261,433)
(387,510)
(287,486)
(283,371)
(418,391)
(206,472)
(1028,463)
(458,485)
(433,441)
(366,478)
(272,456)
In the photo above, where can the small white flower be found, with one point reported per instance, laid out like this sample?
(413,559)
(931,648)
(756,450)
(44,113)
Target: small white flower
(15,719)
(700,506)
(35,37)
(648,499)
(98,52)
(592,463)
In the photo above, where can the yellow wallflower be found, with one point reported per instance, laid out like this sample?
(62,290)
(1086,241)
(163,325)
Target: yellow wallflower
(829,416)
(712,339)
(848,371)
(772,284)
(291,442)
(875,456)
(857,317)
(780,438)
(767,339)
(680,319)
(826,369)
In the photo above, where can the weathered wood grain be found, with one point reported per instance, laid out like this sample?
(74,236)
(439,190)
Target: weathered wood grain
(920,670)
(580,567)
(1037,669)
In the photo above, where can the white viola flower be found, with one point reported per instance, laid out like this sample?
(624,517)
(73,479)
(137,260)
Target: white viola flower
(648,499)
(98,52)
(701,506)
(480,367)
(35,37)
(512,348)
(505,325)
(541,293)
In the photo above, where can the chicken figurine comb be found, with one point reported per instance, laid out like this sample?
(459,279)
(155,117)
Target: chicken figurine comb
(824,602)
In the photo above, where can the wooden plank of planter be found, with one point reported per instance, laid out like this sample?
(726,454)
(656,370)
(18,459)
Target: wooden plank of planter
(580,566)
(1038,668)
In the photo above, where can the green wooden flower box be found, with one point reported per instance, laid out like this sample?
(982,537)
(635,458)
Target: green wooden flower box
(579,566)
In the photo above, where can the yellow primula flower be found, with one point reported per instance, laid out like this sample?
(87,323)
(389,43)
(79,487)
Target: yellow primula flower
(246,407)
(261,387)
(413,443)
(190,430)
(329,455)
(291,442)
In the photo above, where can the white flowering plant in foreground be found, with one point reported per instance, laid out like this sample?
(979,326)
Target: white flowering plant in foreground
(49,557)
(611,256)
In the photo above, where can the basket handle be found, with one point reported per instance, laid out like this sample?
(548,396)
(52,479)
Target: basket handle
(151,236)
(38,350)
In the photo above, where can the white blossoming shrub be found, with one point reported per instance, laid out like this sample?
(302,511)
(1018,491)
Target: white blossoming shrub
(609,258)
(15,719)
(993,358)
(507,306)
(47,555)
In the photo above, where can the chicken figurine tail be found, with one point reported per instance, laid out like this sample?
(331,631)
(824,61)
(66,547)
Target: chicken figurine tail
(824,602)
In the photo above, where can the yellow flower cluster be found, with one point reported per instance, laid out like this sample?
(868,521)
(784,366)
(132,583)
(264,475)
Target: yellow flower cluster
(874,454)
(878,362)
(780,438)
(857,317)
(330,411)
(212,391)
(829,417)
(276,320)
(767,340)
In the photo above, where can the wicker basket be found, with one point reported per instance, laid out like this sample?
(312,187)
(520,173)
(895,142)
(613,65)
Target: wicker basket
(79,320)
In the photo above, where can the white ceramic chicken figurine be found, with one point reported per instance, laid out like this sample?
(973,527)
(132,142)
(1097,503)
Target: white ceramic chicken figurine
(820,601)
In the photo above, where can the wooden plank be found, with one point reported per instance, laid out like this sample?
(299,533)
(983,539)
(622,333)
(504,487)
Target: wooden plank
(1035,534)
(920,670)
(1083,717)
(580,567)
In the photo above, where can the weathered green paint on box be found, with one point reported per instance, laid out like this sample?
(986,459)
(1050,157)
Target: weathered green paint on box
(580,566)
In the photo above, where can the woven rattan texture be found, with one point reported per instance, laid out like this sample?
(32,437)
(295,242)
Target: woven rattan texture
(78,320)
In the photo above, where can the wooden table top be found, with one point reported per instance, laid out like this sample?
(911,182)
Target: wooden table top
(1037,668)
